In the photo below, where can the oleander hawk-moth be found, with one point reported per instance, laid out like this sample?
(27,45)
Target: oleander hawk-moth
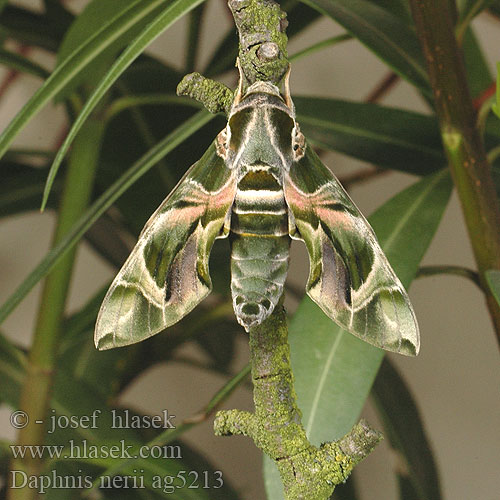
(259,184)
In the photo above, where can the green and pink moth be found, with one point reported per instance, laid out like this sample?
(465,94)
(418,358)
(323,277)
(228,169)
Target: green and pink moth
(259,184)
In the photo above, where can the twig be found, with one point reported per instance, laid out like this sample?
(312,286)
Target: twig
(385,85)
(461,139)
(470,274)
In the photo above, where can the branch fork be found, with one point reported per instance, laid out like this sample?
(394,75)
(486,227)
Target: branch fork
(308,472)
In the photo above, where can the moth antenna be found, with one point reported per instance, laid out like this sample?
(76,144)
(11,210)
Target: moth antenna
(239,91)
(288,98)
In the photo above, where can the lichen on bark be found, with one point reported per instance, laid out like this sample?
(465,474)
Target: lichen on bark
(308,472)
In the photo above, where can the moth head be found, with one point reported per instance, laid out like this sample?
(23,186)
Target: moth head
(263,87)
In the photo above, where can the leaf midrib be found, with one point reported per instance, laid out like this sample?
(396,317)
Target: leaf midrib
(322,381)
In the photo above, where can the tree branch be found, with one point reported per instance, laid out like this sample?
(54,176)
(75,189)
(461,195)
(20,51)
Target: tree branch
(461,139)
(307,472)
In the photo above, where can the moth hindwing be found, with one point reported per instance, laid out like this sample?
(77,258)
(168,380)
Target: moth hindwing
(260,185)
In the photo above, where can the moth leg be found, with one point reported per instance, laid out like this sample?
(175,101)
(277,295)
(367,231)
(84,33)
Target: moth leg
(221,143)
(287,96)
(239,92)
(299,143)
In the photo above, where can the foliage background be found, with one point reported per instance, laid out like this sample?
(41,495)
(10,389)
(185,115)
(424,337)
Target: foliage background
(455,378)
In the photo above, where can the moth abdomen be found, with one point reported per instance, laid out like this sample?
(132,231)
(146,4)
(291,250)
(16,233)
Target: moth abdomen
(259,247)
(257,282)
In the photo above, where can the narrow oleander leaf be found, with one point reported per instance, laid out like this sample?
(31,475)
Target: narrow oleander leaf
(406,489)
(39,29)
(388,137)
(106,433)
(22,64)
(95,17)
(334,370)
(493,280)
(400,8)
(495,8)
(101,205)
(471,8)
(476,65)
(404,429)
(168,16)
(12,363)
(389,37)
(85,55)
(137,131)
(21,187)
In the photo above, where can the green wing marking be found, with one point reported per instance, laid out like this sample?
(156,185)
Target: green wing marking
(350,277)
(167,275)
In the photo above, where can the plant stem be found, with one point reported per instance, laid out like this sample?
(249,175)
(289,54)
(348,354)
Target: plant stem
(455,270)
(462,142)
(382,88)
(36,391)
(307,472)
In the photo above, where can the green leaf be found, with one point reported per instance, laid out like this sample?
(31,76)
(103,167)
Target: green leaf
(83,56)
(329,42)
(68,402)
(387,137)
(384,33)
(334,370)
(493,280)
(101,205)
(169,15)
(22,64)
(404,429)
(476,65)
(21,187)
(12,363)
(25,26)
(471,8)
(400,8)
(167,436)
(96,16)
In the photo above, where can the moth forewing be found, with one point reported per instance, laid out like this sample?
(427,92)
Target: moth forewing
(350,277)
(166,275)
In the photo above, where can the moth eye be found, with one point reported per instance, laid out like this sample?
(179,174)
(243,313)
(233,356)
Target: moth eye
(295,147)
